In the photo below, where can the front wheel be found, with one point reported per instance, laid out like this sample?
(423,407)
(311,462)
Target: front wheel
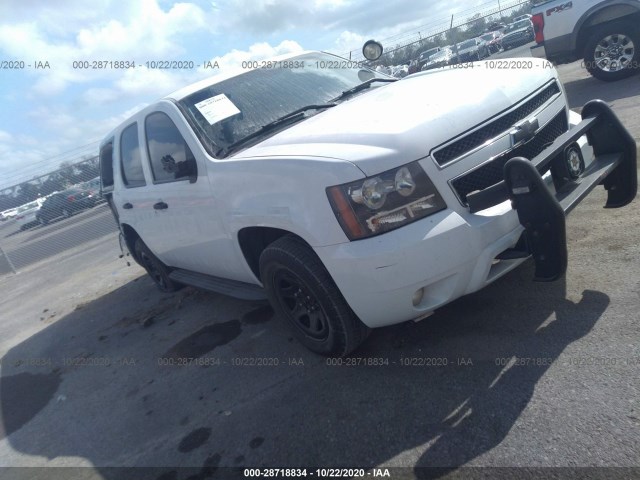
(157,270)
(612,52)
(302,292)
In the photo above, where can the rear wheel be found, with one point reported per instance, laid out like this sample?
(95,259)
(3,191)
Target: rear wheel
(157,270)
(613,51)
(303,293)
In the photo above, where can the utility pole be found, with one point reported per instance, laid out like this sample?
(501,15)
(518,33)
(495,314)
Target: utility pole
(500,9)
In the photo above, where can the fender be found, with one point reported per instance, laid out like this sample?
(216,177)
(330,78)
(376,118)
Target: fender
(619,8)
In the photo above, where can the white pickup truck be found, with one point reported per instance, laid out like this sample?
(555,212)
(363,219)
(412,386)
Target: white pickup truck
(604,33)
(353,200)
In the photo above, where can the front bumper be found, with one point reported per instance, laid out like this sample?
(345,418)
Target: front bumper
(543,213)
(450,254)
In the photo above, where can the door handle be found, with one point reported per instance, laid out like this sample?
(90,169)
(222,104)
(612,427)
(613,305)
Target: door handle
(160,206)
(127,206)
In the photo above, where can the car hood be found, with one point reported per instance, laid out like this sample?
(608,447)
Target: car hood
(400,122)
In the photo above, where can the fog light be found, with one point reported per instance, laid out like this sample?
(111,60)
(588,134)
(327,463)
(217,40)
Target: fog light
(417,297)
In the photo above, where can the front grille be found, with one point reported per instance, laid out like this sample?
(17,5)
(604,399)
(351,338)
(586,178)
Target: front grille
(493,172)
(475,139)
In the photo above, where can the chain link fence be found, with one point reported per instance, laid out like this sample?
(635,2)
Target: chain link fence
(25,240)
(404,47)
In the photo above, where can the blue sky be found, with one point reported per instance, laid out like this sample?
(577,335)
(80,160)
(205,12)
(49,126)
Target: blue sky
(60,113)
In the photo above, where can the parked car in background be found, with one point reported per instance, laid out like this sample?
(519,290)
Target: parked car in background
(64,204)
(26,214)
(496,26)
(472,51)
(493,41)
(441,59)
(517,34)
(9,214)
(526,16)
(93,187)
(423,58)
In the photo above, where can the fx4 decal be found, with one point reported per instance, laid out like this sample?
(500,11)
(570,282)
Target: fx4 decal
(560,8)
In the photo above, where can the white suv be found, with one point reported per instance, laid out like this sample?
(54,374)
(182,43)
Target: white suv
(352,200)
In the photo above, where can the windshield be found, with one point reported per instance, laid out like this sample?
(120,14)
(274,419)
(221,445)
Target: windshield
(467,44)
(518,25)
(488,37)
(258,97)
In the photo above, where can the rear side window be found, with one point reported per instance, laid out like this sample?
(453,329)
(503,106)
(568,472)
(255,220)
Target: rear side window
(106,165)
(132,174)
(170,156)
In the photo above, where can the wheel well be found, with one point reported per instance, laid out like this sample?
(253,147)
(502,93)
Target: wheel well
(253,241)
(601,17)
(130,237)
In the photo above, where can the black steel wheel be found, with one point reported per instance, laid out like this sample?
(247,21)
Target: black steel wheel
(157,270)
(302,292)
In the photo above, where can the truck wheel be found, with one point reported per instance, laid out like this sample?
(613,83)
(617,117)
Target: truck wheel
(613,52)
(157,270)
(303,293)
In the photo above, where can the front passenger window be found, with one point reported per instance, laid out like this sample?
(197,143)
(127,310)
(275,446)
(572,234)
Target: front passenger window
(170,156)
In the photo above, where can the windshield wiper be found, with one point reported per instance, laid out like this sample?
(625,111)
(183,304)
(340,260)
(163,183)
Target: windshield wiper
(362,86)
(296,114)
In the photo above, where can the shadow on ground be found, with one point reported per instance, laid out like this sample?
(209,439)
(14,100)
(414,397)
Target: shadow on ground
(582,90)
(113,394)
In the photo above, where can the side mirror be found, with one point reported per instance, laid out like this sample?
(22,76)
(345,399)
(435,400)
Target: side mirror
(372,50)
(365,75)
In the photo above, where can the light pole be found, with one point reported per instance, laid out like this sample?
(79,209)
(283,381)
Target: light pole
(500,9)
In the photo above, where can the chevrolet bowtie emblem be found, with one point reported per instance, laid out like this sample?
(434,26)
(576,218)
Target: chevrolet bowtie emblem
(524,131)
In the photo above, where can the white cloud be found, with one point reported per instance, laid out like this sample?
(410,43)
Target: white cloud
(5,136)
(348,40)
(148,32)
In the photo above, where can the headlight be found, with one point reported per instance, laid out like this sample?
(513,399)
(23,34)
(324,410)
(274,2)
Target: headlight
(385,202)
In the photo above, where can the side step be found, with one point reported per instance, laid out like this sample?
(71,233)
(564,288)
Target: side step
(232,288)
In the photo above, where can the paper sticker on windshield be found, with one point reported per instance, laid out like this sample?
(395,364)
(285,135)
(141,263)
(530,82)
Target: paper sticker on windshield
(217,108)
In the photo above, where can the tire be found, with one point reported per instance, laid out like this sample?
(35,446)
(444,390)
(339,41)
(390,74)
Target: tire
(43,220)
(157,270)
(302,292)
(621,41)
